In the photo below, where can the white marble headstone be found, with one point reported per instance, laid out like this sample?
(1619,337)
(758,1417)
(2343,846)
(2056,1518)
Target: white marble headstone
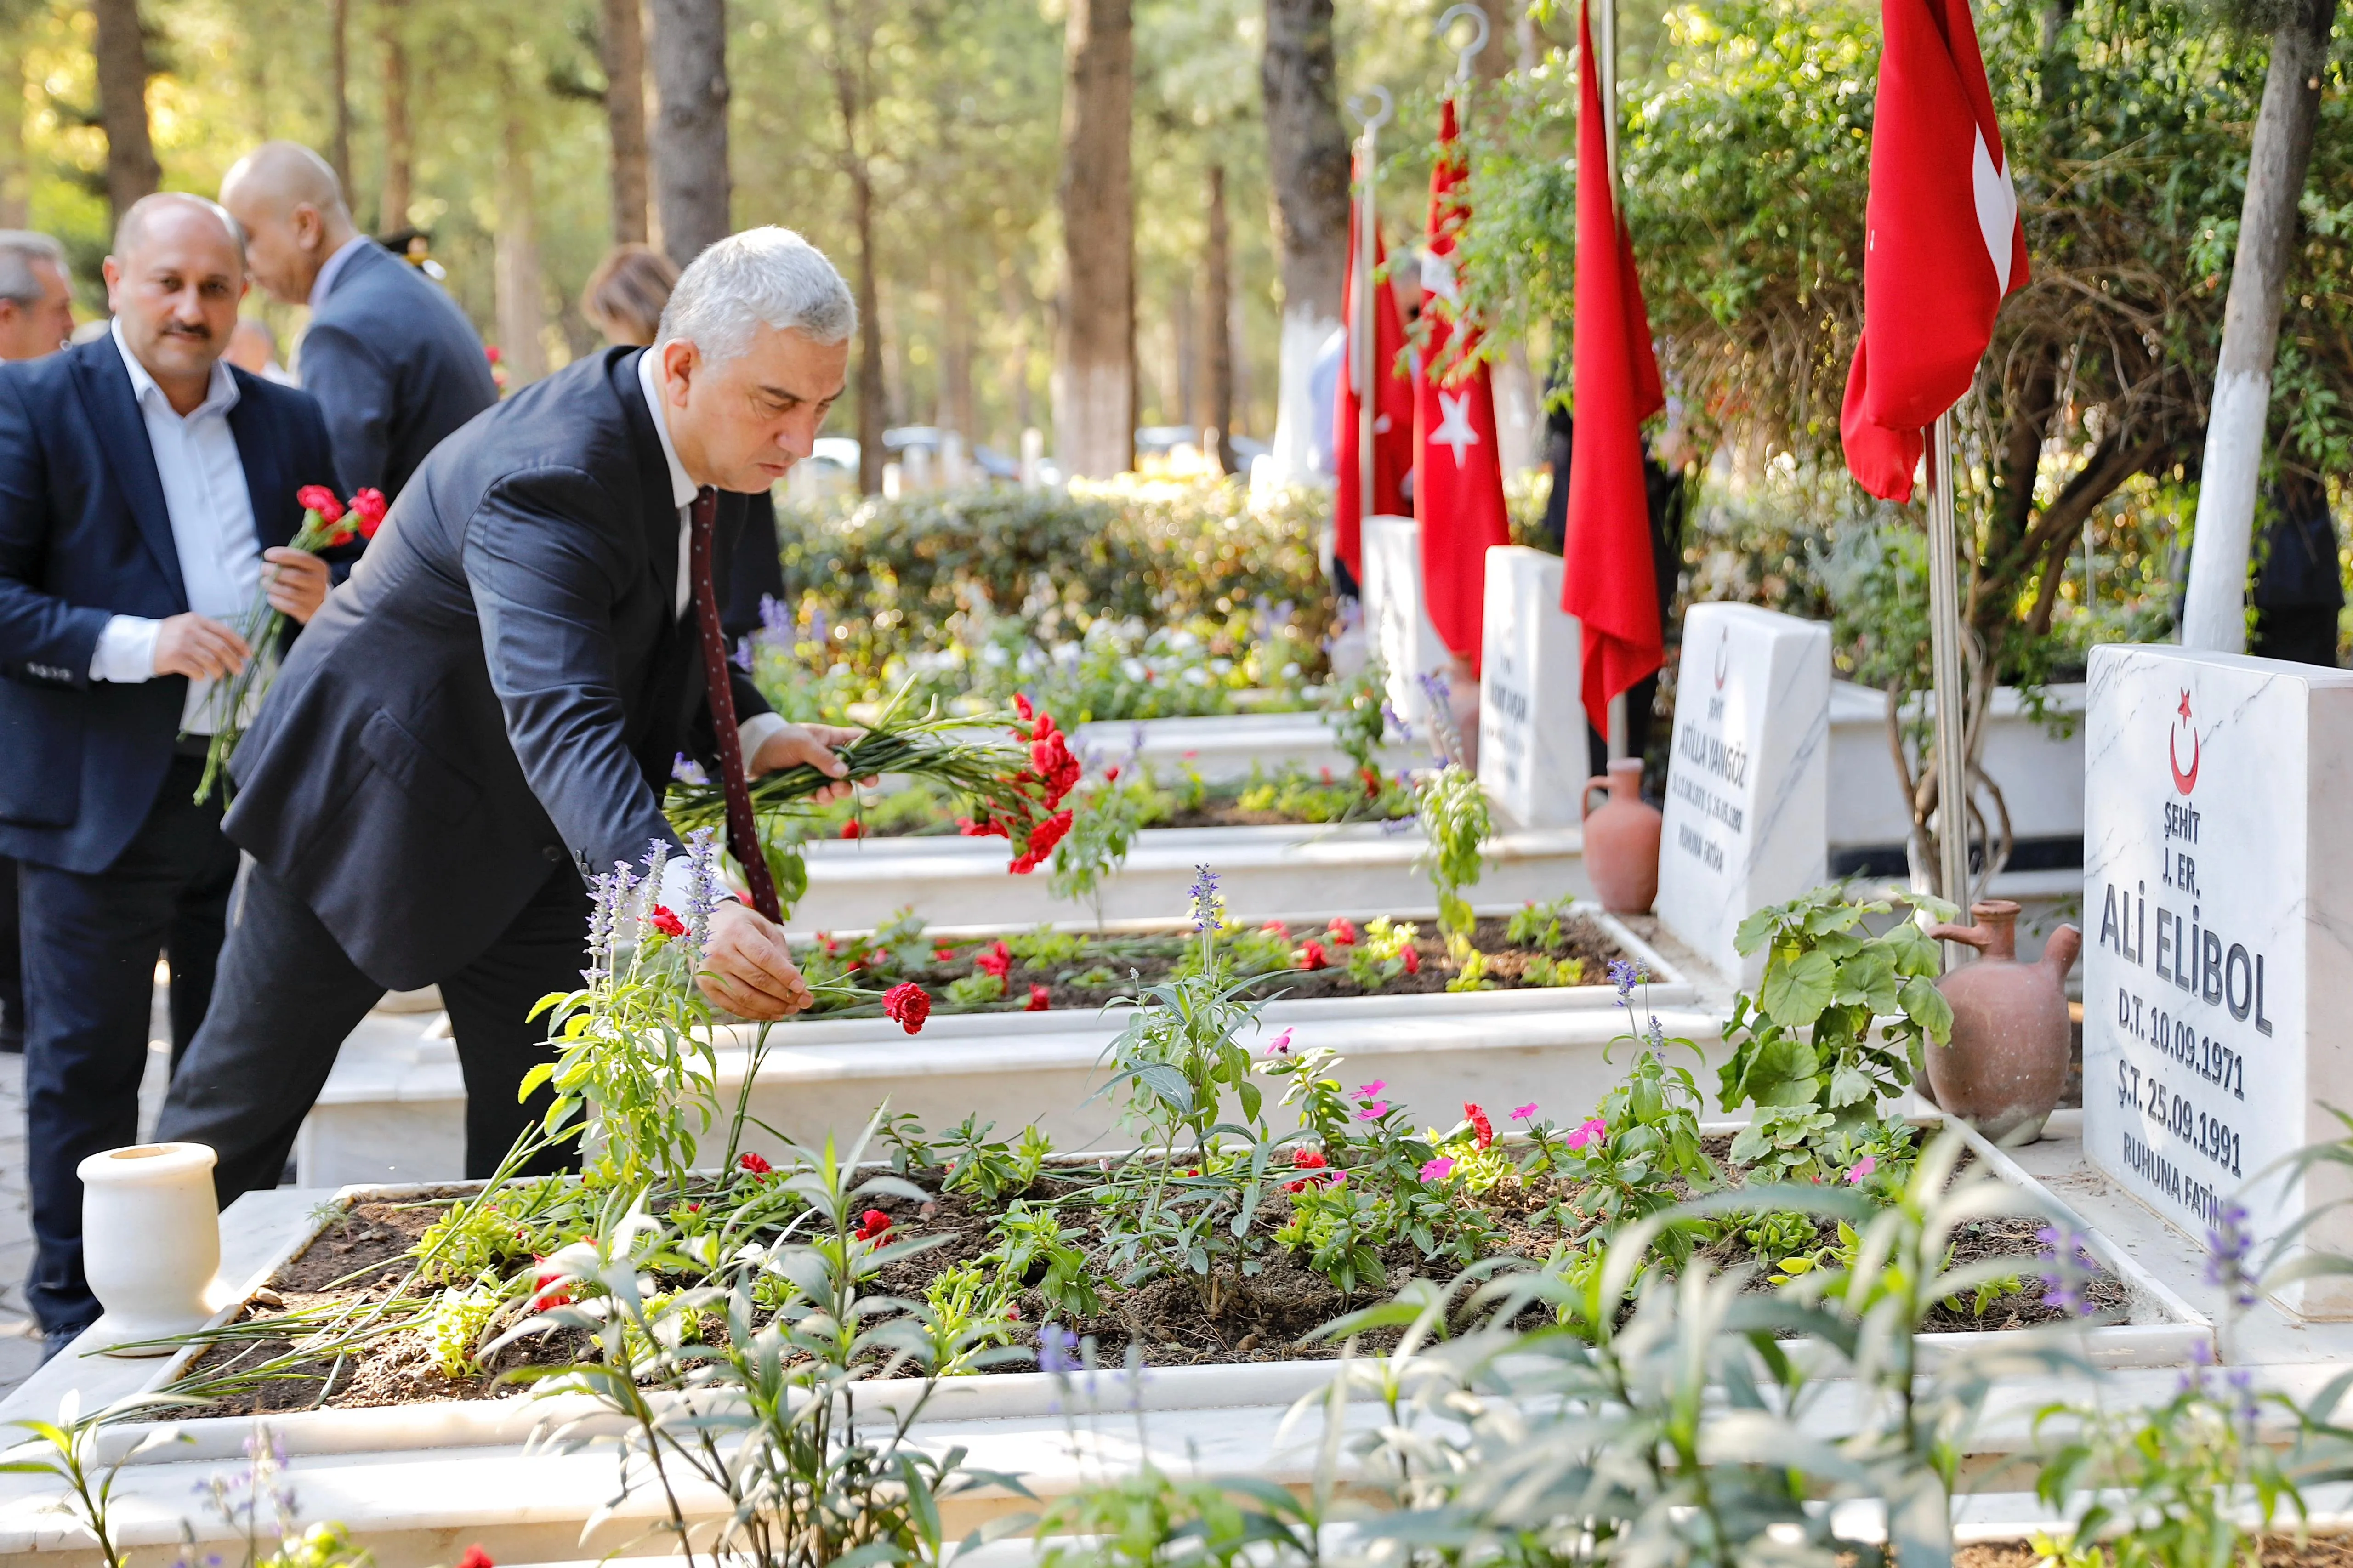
(1748,807)
(2218,919)
(1531,748)
(1397,616)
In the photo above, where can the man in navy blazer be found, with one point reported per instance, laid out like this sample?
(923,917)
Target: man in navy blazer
(492,704)
(391,357)
(146,499)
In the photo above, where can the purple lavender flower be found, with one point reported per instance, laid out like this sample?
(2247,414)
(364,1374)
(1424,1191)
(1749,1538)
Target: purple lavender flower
(2067,1270)
(1057,1349)
(1658,1035)
(704,888)
(1208,909)
(775,620)
(686,770)
(2227,1243)
(743,659)
(1622,975)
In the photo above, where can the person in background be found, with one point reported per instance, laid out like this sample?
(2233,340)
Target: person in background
(147,495)
(2299,583)
(253,349)
(624,300)
(36,319)
(390,357)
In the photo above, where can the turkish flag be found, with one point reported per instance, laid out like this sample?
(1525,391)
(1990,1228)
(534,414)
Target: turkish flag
(1392,412)
(1458,485)
(1610,584)
(1943,243)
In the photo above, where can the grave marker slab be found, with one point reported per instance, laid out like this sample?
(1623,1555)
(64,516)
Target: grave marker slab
(1397,618)
(1532,747)
(2218,918)
(1747,781)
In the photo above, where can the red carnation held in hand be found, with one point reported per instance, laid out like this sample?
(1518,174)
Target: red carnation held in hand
(323,500)
(370,506)
(666,922)
(907,1005)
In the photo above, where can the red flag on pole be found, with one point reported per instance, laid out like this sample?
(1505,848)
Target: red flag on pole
(1943,246)
(1458,475)
(1610,585)
(1392,412)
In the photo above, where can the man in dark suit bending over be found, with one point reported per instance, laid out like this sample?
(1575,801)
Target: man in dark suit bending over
(146,500)
(391,357)
(493,702)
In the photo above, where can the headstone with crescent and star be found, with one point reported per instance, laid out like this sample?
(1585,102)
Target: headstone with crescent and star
(1397,617)
(1748,794)
(2218,922)
(1532,749)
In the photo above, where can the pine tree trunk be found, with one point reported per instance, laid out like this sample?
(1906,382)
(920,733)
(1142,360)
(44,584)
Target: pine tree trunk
(131,170)
(1216,324)
(339,69)
(955,351)
(1094,349)
(399,140)
(522,306)
(16,172)
(851,65)
(1307,155)
(624,45)
(690,135)
(2215,613)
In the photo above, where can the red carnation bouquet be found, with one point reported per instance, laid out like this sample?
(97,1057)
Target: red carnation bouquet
(1028,809)
(327,524)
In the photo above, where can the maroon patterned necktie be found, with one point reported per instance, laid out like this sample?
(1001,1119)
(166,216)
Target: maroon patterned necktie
(742,836)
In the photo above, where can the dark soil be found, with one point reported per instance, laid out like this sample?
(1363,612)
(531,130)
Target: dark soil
(1132,964)
(1272,1316)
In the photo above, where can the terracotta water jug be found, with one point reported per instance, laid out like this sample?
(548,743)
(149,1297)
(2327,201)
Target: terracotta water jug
(2006,1064)
(1622,840)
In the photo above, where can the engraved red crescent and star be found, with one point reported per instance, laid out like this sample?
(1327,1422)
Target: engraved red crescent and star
(2184,779)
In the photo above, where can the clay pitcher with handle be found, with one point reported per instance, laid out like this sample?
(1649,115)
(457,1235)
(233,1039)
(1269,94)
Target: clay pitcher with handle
(2006,1064)
(1622,841)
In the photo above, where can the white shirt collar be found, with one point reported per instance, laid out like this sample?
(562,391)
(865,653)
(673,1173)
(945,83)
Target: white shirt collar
(220,395)
(682,488)
(333,267)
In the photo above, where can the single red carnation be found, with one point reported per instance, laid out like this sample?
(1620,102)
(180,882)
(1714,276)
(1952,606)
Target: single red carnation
(997,961)
(853,828)
(872,1226)
(1021,706)
(1313,956)
(1480,1125)
(1372,783)
(1343,933)
(1111,774)
(756,1165)
(1412,957)
(370,506)
(321,500)
(666,922)
(907,1005)
(546,1292)
(1047,834)
(1306,1160)
(1039,1000)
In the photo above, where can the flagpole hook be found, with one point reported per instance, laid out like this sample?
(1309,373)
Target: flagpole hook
(1373,120)
(1463,57)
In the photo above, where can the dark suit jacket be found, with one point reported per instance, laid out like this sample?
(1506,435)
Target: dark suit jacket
(502,685)
(84,536)
(396,364)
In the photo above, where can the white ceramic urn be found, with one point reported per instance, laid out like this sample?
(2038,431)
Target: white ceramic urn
(150,1243)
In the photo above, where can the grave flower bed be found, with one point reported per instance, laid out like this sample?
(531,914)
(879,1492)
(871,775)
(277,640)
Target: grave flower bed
(1271,1195)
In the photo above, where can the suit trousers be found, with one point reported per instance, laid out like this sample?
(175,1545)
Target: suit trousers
(90,944)
(289,997)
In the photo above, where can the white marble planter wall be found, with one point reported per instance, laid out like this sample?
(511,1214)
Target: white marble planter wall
(1223,748)
(1264,873)
(417,1484)
(394,1109)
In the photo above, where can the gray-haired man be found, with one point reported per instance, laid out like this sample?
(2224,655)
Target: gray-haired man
(35,295)
(494,701)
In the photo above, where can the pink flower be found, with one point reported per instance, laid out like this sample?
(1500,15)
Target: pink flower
(1438,1170)
(1374,1110)
(1591,1130)
(1522,1112)
(1279,1046)
(1862,1169)
(1372,1089)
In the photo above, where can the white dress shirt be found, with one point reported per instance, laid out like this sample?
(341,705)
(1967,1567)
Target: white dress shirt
(756,729)
(212,529)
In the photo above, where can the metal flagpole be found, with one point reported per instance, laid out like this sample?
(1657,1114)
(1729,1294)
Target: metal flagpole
(1945,652)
